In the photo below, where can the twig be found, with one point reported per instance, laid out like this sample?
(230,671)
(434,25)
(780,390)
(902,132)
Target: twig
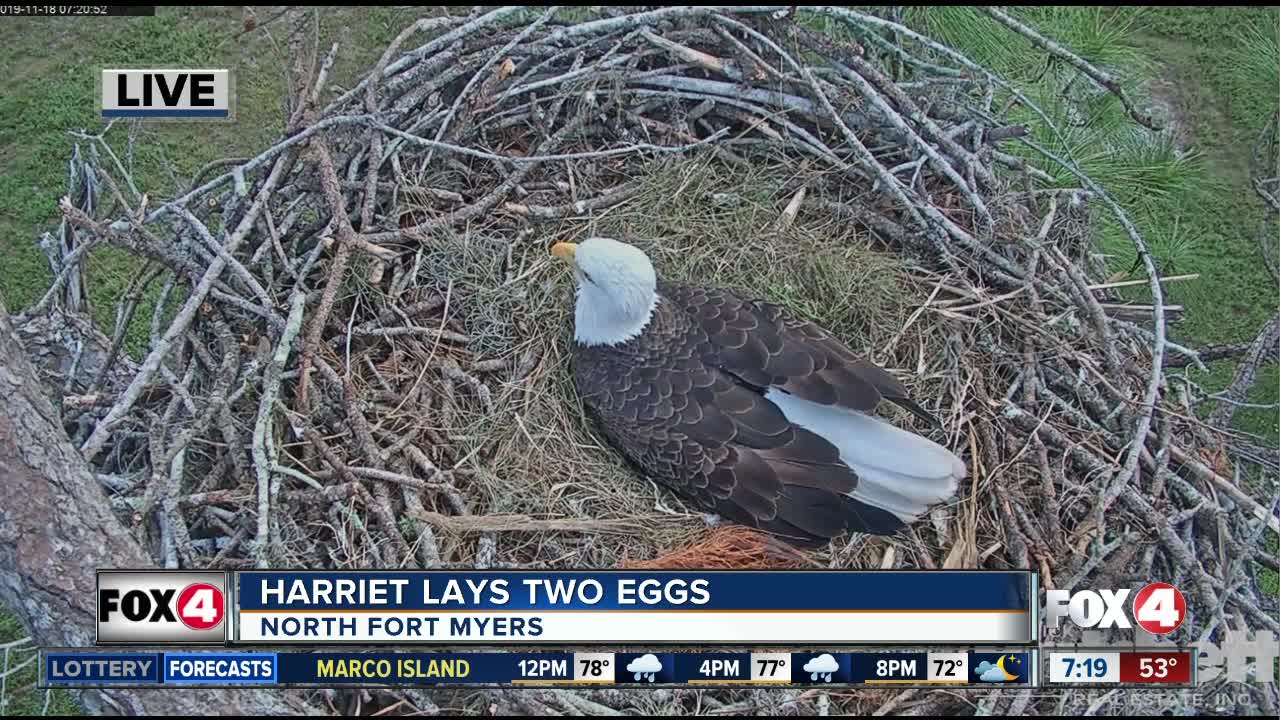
(337,271)
(696,57)
(524,523)
(388,476)
(1205,472)
(1131,283)
(609,198)
(268,485)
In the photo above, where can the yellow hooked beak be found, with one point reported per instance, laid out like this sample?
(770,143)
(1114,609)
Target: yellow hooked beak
(565,251)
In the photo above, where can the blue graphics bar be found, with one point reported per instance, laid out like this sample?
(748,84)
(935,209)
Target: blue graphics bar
(633,607)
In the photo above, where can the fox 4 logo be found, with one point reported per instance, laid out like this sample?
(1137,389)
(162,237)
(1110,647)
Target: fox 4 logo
(159,606)
(1158,608)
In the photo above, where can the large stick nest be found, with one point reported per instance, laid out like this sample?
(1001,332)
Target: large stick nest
(359,359)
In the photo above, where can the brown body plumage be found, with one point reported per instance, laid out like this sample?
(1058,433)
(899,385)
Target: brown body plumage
(684,401)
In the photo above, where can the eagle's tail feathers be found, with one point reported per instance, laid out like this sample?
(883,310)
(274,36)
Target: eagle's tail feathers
(898,471)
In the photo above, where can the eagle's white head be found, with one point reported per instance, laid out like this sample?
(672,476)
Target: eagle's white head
(617,289)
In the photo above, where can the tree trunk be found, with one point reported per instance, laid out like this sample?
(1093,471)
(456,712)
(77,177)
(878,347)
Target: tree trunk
(56,530)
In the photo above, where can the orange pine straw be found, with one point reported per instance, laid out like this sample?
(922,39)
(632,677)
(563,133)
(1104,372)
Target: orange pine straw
(729,547)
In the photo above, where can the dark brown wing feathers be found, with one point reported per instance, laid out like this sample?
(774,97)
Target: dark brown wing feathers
(767,345)
(684,403)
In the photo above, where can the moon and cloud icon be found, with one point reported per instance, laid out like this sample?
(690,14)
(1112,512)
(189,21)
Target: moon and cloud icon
(822,666)
(999,672)
(645,667)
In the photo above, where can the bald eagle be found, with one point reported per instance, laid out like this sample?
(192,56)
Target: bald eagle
(743,408)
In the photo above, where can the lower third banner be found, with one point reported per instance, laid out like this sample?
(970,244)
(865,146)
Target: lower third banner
(632,607)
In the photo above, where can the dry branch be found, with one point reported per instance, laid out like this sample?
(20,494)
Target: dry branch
(1266,346)
(524,523)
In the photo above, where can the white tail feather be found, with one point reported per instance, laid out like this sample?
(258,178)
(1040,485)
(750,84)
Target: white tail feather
(898,471)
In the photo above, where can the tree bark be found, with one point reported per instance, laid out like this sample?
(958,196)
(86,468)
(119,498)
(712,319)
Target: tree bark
(57,529)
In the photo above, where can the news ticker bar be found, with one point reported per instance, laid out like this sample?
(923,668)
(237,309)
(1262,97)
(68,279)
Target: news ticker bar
(81,668)
(567,608)
(953,667)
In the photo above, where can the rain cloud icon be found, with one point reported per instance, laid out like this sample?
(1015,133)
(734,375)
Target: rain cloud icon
(822,666)
(645,667)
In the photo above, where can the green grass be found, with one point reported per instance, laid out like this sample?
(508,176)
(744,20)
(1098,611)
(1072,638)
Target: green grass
(21,696)
(1098,34)
(51,66)
(1225,66)
(1215,70)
